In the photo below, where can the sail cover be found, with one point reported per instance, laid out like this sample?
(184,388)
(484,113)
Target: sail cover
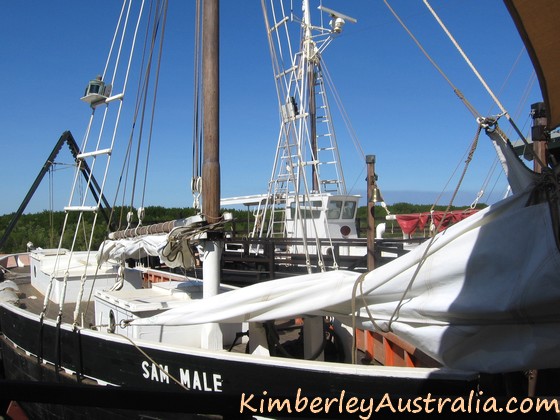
(537,23)
(171,251)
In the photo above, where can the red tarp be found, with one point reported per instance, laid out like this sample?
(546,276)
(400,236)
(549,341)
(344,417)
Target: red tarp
(410,222)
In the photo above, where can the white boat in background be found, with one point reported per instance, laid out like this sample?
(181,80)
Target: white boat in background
(463,316)
(307,198)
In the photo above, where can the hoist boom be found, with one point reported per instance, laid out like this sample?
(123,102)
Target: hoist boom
(66,137)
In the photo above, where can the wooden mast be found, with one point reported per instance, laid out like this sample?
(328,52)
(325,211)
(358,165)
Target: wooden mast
(211,95)
(211,337)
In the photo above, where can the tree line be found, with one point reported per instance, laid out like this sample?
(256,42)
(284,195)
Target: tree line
(44,229)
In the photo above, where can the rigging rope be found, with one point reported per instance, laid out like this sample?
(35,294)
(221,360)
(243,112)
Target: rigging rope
(156,84)
(491,171)
(154,363)
(482,81)
(112,142)
(115,37)
(477,74)
(432,239)
(459,94)
(159,20)
(51,206)
(422,260)
(143,99)
(196,180)
(343,112)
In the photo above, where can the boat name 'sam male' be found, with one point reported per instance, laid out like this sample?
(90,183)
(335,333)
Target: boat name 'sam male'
(191,379)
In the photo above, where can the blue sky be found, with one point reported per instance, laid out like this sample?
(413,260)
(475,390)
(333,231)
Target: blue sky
(400,107)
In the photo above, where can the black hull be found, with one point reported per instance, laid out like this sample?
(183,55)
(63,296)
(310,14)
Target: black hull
(45,392)
(218,377)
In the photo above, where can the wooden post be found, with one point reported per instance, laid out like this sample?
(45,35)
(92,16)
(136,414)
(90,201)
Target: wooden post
(371,197)
(539,137)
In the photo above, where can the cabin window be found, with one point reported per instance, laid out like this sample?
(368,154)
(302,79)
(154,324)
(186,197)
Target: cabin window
(309,210)
(334,209)
(349,210)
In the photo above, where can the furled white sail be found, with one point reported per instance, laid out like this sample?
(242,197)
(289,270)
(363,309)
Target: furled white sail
(519,176)
(484,298)
(170,241)
(139,247)
(172,249)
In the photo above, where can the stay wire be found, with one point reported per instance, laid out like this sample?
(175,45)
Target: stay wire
(459,94)
(156,84)
(423,259)
(483,190)
(482,81)
(359,281)
(126,161)
(197,135)
(142,98)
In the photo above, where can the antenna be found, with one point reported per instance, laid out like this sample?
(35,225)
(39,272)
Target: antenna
(336,14)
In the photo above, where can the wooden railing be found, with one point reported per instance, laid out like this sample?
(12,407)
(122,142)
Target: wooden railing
(388,349)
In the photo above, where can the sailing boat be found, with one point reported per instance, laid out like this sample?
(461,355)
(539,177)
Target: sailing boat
(161,348)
